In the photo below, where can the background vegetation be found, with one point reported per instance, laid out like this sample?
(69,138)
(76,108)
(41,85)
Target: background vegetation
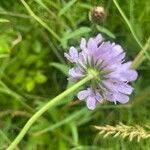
(33,38)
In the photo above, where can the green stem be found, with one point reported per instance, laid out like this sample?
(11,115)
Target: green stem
(141,57)
(50,104)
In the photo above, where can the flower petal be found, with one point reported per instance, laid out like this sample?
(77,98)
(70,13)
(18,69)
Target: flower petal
(75,73)
(91,102)
(83,94)
(120,98)
(108,96)
(83,44)
(92,47)
(126,65)
(73,55)
(68,57)
(103,49)
(123,75)
(116,49)
(98,97)
(129,75)
(114,97)
(123,88)
(98,39)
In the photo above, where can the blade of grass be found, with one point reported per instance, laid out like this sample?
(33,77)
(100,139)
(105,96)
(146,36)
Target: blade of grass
(40,21)
(13,14)
(62,122)
(61,67)
(66,7)
(3,20)
(127,22)
(141,57)
(130,27)
(74,131)
(40,2)
(6,138)
(8,91)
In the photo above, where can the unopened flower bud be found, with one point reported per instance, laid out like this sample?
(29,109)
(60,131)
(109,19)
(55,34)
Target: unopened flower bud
(97,14)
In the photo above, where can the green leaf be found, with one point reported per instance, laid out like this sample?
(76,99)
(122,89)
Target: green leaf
(4,55)
(40,78)
(67,6)
(2,20)
(73,34)
(61,67)
(106,31)
(30,85)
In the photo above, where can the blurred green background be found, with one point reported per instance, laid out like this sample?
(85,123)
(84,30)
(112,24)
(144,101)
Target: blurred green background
(33,38)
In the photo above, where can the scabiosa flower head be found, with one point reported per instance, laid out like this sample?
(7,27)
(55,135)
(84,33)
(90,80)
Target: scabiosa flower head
(107,60)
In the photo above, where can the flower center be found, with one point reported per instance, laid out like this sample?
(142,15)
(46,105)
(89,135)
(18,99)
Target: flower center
(94,73)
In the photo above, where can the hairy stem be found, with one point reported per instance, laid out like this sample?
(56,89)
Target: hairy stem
(50,104)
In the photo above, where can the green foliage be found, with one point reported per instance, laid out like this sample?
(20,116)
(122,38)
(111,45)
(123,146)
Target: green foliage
(34,34)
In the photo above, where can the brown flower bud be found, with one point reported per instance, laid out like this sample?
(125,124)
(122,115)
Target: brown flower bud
(97,14)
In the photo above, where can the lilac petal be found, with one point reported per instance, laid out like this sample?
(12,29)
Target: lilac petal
(120,98)
(108,96)
(118,87)
(98,97)
(73,53)
(91,102)
(75,73)
(83,94)
(117,49)
(113,97)
(118,58)
(129,75)
(123,75)
(115,52)
(103,49)
(98,39)
(68,57)
(73,79)
(82,60)
(83,44)
(108,68)
(112,60)
(124,88)
(126,65)
(108,85)
(91,46)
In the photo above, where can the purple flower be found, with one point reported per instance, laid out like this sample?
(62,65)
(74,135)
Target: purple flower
(114,74)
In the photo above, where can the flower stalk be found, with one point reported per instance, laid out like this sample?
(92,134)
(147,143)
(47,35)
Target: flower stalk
(141,56)
(50,104)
